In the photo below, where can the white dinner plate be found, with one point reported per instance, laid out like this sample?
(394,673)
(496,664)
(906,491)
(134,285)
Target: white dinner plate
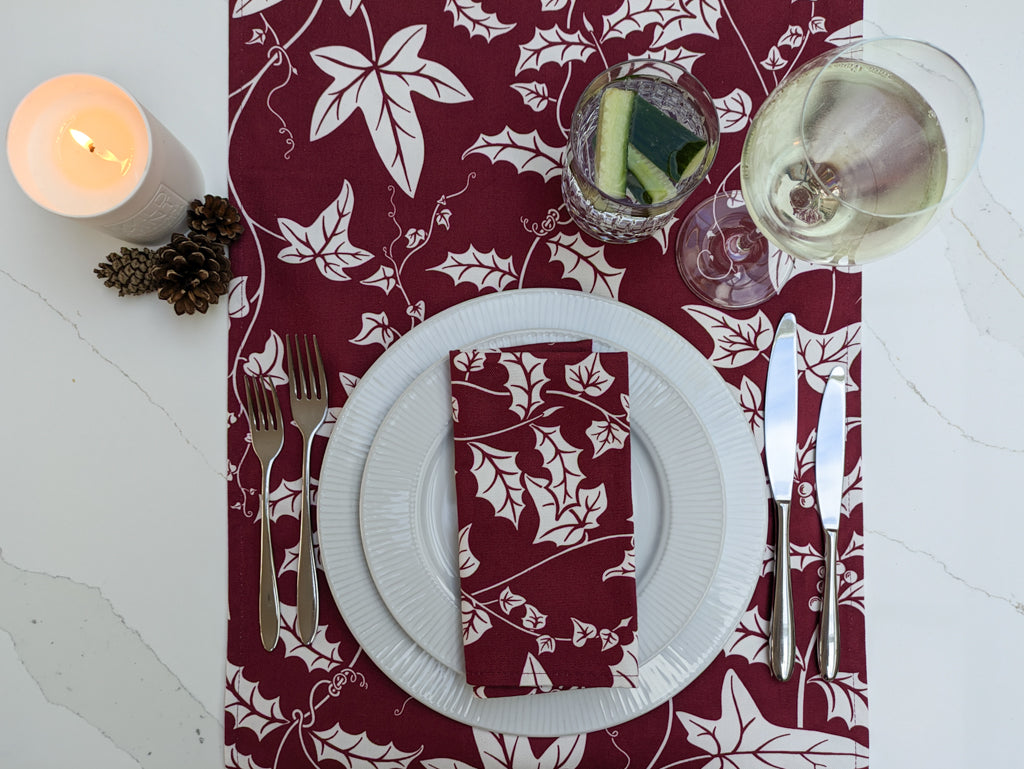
(408,513)
(652,346)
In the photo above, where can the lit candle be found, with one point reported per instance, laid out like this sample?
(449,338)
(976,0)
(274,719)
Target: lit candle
(82,147)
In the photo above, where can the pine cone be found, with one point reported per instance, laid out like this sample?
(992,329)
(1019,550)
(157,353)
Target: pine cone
(128,271)
(191,272)
(215,218)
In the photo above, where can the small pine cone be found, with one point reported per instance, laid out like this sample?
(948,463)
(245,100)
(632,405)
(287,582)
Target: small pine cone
(215,218)
(128,271)
(191,272)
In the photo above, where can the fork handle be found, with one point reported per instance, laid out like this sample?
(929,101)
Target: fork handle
(307,599)
(270,612)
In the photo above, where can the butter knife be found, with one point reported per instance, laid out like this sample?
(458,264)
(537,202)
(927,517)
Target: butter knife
(780,404)
(829,469)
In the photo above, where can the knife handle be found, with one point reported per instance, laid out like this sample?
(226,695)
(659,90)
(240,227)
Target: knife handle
(828,632)
(782,635)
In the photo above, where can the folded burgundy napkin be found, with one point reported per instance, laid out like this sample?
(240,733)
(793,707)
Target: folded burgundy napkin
(542,478)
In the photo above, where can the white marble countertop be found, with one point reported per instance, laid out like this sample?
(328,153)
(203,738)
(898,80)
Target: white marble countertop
(113,441)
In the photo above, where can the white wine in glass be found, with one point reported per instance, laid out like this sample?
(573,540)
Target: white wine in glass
(848,160)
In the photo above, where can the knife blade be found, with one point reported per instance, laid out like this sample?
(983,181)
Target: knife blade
(780,409)
(829,470)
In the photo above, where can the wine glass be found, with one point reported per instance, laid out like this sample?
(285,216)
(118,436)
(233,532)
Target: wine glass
(848,160)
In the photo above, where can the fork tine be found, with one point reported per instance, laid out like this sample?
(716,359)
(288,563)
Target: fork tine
(322,374)
(249,412)
(293,384)
(309,384)
(277,409)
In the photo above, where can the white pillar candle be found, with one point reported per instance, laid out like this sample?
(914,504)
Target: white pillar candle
(82,147)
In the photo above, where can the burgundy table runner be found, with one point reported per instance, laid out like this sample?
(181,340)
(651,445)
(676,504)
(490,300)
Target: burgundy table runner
(392,159)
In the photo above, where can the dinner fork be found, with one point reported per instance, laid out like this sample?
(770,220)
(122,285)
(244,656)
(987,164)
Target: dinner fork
(308,387)
(264,412)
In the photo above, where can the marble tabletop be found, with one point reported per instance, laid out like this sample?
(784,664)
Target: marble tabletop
(113,448)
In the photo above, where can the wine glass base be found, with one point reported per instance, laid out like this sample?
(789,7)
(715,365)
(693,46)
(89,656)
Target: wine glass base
(722,256)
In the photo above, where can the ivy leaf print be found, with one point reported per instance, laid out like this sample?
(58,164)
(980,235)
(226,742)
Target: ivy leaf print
(816,24)
(741,736)
(335,744)
(626,672)
(238,297)
(508,601)
(249,7)
(625,569)
(585,264)
(250,709)
(470,14)
(792,37)
(533,619)
(325,242)
(734,111)
(817,354)
(606,435)
(235,759)
(383,90)
(525,383)
(738,341)
(545,643)
(774,61)
(588,377)
(481,269)
(508,751)
(475,622)
(376,329)
(499,481)
(847,698)
(609,639)
(750,638)
(582,632)
(751,401)
(527,152)
(468,563)
(554,46)
(535,95)
(385,278)
(534,676)
(469,360)
(269,362)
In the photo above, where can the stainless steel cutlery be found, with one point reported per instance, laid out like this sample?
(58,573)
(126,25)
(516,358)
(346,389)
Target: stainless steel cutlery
(829,470)
(267,430)
(780,410)
(308,390)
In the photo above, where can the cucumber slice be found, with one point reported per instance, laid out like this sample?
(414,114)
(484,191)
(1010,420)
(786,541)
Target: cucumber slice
(674,149)
(657,187)
(615,116)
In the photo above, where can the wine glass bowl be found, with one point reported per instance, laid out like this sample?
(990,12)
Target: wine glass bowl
(848,160)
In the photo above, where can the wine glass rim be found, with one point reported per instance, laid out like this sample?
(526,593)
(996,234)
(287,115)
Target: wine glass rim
(948,192)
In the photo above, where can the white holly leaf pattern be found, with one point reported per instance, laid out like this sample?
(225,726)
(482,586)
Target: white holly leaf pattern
(781,266)
(750,638)
(738,341)
(534,676)
(774,61)
(567,526)
(385,278)
(533,618)
(802,556)
(554,46)
(376,329)
(585,264)
(626,672)
(468,360)
(792,37)
(606,435)
(250,709)
(235,759)
(695,17)
(527,152)
(383,90)
(734,110)
(318,654)
(335,744)
(286,498)
(847,698)
(325,242)
(509,600)
(525,383)
(561,460)
(818,354)
(672,20)
(470,14)
(268,363)
(481,269)
(588,377)
(249,7)
(499,480)
(238,297)
(625,569)
(535,95)
(742,737)
(468,563)
(475,622)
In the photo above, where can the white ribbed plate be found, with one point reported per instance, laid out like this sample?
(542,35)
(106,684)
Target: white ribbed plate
(652,346)
(408,514)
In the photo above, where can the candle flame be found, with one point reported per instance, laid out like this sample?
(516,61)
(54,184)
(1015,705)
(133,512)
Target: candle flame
(85,142)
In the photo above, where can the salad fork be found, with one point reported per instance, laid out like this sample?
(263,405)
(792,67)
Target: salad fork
(267,431)
(308,387)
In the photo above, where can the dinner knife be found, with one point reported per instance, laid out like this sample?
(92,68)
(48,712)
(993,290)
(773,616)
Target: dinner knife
(829,469)
(780,404)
